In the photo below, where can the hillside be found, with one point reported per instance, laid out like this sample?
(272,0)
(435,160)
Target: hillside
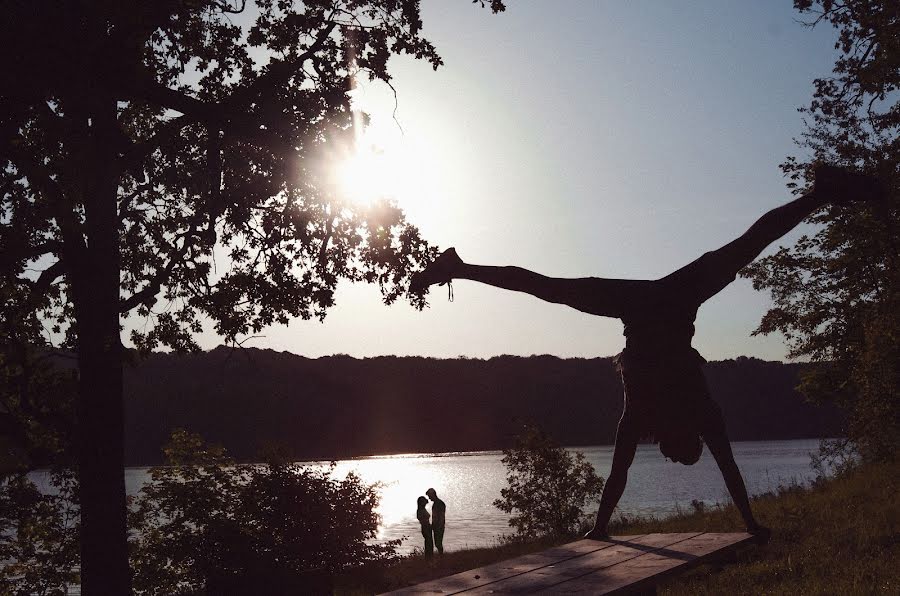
(341,406)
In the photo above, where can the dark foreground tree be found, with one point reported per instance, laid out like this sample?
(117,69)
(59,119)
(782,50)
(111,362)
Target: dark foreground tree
(163,160)
(837,292)
(547,486)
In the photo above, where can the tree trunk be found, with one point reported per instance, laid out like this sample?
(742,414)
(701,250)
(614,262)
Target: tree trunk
(95,285)
(104,549)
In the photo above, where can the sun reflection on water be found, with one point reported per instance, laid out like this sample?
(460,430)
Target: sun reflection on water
(402,479)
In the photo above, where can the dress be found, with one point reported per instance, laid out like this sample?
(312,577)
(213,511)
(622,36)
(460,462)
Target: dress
(424,521)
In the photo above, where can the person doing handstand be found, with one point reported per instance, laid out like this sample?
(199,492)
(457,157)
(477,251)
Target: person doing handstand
(666,395)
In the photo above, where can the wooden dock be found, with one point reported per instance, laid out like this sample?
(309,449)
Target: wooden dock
(620,565)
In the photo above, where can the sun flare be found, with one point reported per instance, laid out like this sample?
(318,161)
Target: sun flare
(364,176)
(383,165)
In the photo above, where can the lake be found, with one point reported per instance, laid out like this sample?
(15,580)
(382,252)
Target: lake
(470,481)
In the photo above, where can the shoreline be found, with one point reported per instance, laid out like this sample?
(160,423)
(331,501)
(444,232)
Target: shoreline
(840,535)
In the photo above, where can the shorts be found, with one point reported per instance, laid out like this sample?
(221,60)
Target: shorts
(666,393)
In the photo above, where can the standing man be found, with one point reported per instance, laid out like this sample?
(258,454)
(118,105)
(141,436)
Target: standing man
(438,511)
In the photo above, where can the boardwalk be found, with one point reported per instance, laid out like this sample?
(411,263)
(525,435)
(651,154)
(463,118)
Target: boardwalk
(622,564)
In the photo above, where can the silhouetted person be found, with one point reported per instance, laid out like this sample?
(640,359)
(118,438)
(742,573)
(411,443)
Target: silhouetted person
(666,396)
(422,515)
(438,518)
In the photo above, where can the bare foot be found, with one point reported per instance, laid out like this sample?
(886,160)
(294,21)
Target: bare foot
(841,186)
(439,271)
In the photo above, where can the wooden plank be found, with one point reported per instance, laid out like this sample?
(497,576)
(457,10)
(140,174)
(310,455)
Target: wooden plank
(651,568)
(544,578)
(488,574)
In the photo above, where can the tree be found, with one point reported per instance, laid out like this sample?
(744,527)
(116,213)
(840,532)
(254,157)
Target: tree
(837,292)
(161,161)
(548,486)
(203,521)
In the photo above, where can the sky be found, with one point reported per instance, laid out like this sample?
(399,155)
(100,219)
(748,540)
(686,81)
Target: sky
(580,138)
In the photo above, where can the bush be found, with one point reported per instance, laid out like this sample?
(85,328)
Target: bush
(38,535)
(205,521)
(548,486)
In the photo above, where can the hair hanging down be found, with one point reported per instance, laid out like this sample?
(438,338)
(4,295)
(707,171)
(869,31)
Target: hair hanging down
(682,447)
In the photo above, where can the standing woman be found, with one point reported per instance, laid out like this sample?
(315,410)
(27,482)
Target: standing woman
(666,396)
(424,521)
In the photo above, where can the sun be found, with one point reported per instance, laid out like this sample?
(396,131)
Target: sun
(385,164)
(366,174)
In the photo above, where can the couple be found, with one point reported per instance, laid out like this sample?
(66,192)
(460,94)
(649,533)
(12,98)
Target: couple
(666,396)
(433,530)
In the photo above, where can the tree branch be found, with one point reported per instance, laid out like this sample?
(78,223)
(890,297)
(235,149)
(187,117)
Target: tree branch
(229,115)
(159,278)
(39,176)
(164,133)
(44,248)
(48,276)
(277,74)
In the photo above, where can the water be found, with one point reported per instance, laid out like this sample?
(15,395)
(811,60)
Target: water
(469,483)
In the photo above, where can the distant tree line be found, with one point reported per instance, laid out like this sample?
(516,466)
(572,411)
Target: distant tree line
(252,399)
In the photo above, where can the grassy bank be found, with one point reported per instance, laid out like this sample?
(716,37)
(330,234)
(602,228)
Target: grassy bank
(841,536)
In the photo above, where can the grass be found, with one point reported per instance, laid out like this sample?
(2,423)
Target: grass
(840,536)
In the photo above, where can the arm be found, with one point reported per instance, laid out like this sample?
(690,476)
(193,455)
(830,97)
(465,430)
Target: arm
(627,437)
(716,439)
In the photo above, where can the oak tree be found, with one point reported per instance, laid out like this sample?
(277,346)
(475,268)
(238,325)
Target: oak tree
(163,161)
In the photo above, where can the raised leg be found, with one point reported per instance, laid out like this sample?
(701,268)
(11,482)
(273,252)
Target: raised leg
(626,446)
(707,276)
(593,295)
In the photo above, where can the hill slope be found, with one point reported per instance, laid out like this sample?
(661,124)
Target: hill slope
(341,406)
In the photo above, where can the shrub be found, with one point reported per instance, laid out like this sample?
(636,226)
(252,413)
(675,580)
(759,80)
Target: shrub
(203,520)
(38,534)
(548,486)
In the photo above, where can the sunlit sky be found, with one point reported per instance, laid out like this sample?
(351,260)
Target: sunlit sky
(611,139)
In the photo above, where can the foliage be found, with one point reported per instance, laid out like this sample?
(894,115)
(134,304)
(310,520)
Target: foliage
(210,146)
(39,537)
(548,486)
(36,408)
(36,392)
(166,160)
(204,519)
(837,292)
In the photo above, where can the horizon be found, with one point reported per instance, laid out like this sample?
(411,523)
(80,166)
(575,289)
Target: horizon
(207,350)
